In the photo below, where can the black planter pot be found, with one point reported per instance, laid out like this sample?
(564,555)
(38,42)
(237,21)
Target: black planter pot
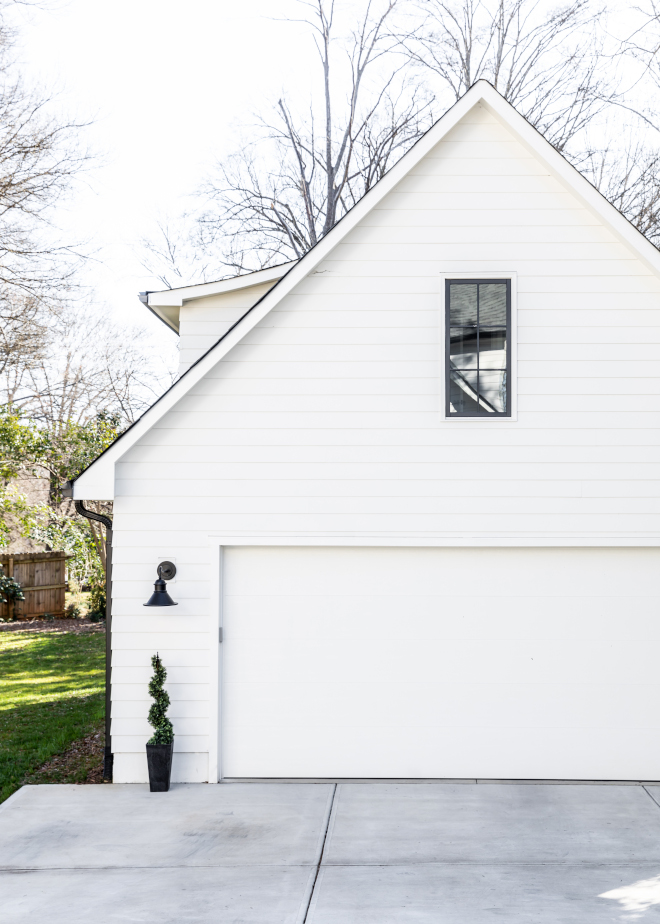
(159,761)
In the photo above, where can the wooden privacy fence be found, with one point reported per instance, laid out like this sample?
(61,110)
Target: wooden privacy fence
(42,575)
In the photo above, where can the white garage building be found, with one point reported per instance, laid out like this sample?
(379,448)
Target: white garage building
(414,479)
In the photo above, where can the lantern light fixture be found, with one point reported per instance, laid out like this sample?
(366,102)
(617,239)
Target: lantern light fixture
(160,596)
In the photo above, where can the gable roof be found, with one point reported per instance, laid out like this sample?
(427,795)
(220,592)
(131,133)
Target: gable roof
(166,304)
(97,481)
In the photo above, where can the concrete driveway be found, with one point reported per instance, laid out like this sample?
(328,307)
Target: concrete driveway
(355,853)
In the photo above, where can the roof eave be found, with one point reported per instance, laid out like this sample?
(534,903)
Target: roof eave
(176,297)
(168,322)
(166,304)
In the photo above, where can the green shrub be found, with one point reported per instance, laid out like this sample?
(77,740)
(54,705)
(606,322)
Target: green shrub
(163,730)
(97,603)
(72,611)
(10,589)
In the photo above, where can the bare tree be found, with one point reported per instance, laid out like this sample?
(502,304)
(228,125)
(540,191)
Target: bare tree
(40,155)
(643,44)
(82,373)
(73,370)
(629,178)
(300,172)
(176,256)
(547,62)
(23,340)
(282,192)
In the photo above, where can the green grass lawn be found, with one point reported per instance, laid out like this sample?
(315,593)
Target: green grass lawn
(51,693)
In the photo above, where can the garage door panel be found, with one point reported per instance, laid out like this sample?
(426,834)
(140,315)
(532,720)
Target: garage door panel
(384,662)
(444,705)
(452,615)
(490,571)
(402,752)
(404,660)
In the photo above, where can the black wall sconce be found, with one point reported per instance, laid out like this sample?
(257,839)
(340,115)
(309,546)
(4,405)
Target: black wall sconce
(160,596)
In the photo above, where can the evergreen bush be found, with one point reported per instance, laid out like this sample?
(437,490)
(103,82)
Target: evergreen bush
(10,589)
(97,603)
(72,611)
(163,730)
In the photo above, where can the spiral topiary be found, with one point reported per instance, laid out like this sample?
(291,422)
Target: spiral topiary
(163,730)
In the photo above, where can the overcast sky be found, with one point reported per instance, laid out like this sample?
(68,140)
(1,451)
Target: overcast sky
(167,84)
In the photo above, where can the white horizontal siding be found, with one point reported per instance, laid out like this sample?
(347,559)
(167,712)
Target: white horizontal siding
(411,456)
(428,301)
(131,766)
(236,489)
(482,523)
(182,691)
(479,184)
(457,218)
(128,743)
(380,436)
(326,419)
(535,270)
(561,253)
(222,471)
(428,506)
(407,458)
(634,420)
(186,726)
(141,635)
(428,235)
(181,709)
(203,321)
(411,287)
(176,675)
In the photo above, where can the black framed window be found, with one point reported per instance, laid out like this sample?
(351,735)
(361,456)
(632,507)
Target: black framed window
(478,347)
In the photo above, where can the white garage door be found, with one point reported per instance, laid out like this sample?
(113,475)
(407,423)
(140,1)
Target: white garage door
(418,663)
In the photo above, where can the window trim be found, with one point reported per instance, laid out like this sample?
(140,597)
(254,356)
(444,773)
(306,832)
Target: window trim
(512,346)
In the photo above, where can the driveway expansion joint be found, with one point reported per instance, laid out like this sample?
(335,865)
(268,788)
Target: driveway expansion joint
(327,820)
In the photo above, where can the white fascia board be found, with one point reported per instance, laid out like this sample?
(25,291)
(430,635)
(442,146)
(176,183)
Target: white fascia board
(481,92)
(96,485)
(176,297)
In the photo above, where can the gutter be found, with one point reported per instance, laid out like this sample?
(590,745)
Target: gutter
(108,757)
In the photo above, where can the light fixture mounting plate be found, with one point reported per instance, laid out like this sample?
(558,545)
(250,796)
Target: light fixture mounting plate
(166,570)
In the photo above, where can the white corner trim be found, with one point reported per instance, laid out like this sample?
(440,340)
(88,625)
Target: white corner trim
(215,664)
(513,384)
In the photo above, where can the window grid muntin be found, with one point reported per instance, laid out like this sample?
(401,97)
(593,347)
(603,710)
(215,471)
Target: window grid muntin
(448,325)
